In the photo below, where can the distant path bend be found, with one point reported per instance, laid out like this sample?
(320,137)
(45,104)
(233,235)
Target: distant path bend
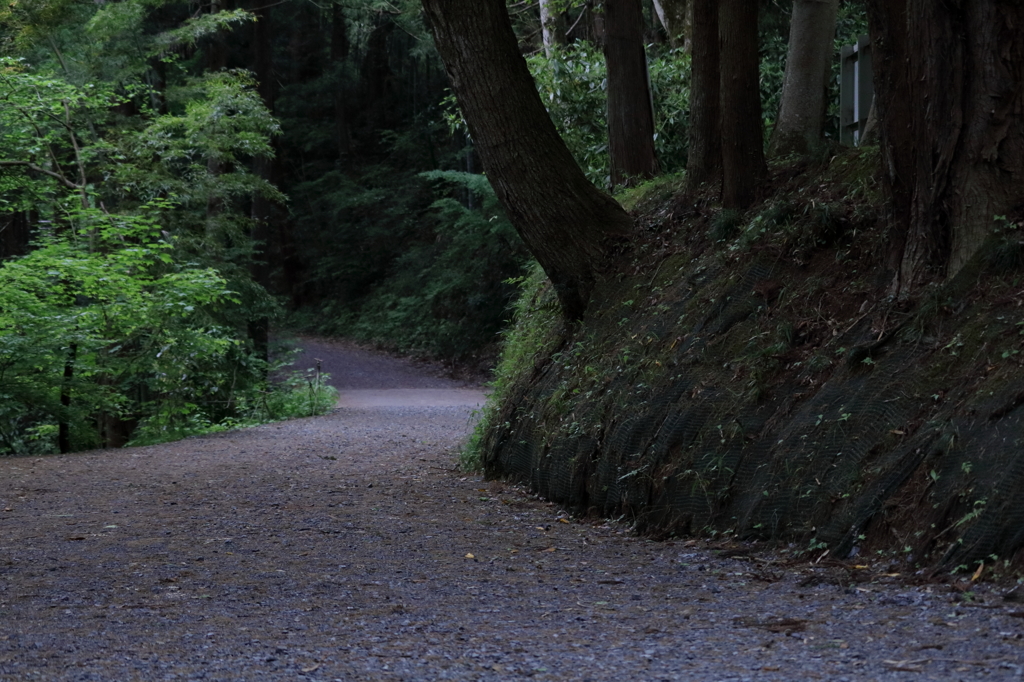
(368,379)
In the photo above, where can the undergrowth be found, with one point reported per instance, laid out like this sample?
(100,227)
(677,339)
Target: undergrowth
(294,395)
(531,336)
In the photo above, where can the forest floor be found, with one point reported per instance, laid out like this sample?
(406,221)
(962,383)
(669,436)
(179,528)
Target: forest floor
(349,547)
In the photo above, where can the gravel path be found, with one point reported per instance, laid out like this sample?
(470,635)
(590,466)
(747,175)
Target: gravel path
(346,547)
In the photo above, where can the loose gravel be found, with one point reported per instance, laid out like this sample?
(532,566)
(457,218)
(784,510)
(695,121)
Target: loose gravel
(348,547)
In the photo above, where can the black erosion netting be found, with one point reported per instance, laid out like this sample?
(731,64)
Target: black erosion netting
(688,410)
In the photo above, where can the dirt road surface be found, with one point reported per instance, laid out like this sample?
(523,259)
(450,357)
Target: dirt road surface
(348,547)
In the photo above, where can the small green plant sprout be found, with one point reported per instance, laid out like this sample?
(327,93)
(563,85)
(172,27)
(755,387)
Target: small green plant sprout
(816,544)
(954,346)
(974,514)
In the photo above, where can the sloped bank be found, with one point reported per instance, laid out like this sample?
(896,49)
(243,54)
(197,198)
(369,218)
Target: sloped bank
(747,374)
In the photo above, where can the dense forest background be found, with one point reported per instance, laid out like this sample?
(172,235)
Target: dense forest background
(178,179)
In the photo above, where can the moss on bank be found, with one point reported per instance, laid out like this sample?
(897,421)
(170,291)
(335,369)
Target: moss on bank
(747,373)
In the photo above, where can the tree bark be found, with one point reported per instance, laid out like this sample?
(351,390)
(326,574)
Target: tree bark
(552,27)
(704,160)
(339,53)
(64,420)
(949,88)
(264,211)
(802,111)
(630,110)
(743,164)
(563,219)
(15,234)
(676,16)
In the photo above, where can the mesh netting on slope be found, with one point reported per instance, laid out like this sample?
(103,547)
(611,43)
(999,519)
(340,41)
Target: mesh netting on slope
(691,423)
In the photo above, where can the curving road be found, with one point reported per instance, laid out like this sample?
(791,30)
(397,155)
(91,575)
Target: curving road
(346,547)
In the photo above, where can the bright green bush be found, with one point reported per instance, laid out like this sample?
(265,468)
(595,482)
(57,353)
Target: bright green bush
(130,311)
(102,314)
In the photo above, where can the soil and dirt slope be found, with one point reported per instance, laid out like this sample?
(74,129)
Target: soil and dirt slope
(346,547)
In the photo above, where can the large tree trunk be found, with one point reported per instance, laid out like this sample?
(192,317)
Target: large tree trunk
(630,111)
(563,219)
(949,87)
(704,160)
(552,27)
(802,112)
(743,164)
(677,18)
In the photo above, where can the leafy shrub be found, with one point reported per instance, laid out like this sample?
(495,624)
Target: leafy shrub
(420,264)
(532,334)
(449,295)
(299,394)
(100,319)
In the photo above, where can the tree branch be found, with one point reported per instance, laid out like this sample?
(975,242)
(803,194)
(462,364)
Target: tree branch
(36,169)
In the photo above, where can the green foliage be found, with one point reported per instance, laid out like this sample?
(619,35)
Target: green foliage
(132,307)
(298,394)
(572,85)
(102,312)
(536,321)
(446,293)
(773,37)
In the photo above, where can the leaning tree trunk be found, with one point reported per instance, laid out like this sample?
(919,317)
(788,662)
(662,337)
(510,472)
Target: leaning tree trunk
(704,160)
(630,110)
(802,112)
(949,88)
(563,219)
(743,164)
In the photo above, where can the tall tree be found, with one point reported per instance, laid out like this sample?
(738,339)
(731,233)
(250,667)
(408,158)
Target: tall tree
(676,16)
(552,27)
(743,164)
(266,168)
(949,88)
(630,109)
(802,112)
(704,161)
(563,219)
(339,53)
